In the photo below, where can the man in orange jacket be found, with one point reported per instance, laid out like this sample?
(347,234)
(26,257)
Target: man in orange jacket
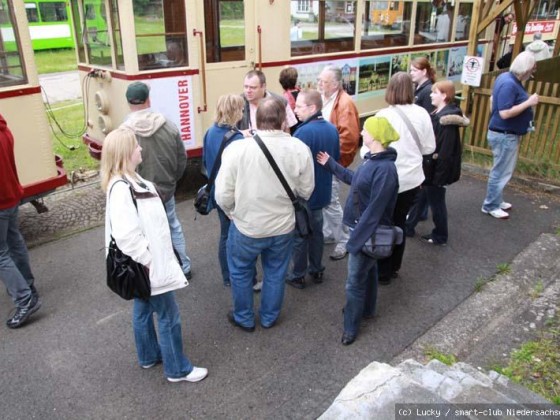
(340,110)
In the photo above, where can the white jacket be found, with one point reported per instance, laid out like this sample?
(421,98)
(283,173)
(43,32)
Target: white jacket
(409,157)
(143,234)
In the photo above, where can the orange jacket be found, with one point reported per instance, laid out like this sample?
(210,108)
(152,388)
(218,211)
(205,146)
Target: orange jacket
(344,116)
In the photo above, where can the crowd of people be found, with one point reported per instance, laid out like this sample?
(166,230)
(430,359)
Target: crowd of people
(310,138)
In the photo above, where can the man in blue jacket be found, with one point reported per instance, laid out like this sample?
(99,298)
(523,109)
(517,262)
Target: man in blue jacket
(319,135)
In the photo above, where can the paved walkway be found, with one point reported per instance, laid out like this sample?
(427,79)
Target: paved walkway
(77,357)
(59,87)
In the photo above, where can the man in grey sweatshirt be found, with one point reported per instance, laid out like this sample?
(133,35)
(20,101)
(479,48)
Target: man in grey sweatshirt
(163,159)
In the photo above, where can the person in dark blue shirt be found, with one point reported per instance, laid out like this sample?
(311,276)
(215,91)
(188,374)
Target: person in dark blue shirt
(511,118)
(319,135)
(229,110)
(373,187)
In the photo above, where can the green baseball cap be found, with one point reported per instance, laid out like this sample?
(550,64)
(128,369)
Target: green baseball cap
(137,93)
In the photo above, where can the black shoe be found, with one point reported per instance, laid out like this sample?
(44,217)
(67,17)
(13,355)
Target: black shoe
(188,275)
(233,322)
(383,281)
(347,339)
(410,233)
(429,240)
(317,277)
(23,313)
(34,291)
(298,283)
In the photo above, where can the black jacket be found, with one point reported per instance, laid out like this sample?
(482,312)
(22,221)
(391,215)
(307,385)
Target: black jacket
(422,96)
(448,144)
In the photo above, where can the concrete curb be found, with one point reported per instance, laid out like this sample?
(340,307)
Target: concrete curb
(500,300)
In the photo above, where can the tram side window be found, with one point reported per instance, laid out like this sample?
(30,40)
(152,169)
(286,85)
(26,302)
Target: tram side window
(386,24)
(31,11)
(94,43)
(53,11)
(463,21)
(547,9)
(433,21)
(12,71)
(225,30)
(322,26)
(161,33)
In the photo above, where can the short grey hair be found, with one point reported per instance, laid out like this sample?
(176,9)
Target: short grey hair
(336,71)
(523,64)
(537,36)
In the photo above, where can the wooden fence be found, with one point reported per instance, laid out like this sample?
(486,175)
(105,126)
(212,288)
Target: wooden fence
(539,147)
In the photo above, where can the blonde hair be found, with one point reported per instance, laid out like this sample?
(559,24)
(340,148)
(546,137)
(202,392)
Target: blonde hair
(229,109)
(118,147)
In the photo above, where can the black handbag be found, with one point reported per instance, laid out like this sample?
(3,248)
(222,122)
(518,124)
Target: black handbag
(383,241)
(126,277)
(202,201)
(301,209)
(429,160)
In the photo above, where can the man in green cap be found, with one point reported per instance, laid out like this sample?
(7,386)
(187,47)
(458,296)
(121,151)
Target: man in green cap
(163,159)
(371,201)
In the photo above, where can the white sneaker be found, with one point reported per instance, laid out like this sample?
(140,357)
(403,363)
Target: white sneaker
(498,213)
(197,374)
(257,287)
(339,252)
(505,206)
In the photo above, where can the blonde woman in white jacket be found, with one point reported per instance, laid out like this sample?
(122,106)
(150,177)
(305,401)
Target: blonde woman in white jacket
(141,231)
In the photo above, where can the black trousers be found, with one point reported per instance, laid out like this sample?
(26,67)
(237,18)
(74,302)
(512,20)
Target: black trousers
(387,266)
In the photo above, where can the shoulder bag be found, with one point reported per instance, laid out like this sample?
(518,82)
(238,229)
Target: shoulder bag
(302,212)
(126,277)
(202,201)
(383,241)
(428,161)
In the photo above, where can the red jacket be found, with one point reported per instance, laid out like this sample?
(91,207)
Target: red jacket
(345,118)
(11,190)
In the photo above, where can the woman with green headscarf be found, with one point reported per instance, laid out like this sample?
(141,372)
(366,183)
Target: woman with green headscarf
(371,201)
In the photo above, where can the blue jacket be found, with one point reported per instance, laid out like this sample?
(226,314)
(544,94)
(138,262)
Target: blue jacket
(211,145)
(320,136)
(377,185)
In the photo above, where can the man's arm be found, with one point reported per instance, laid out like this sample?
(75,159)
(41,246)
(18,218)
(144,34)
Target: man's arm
(348,130)
(224,192)
(181,157)
(515,110)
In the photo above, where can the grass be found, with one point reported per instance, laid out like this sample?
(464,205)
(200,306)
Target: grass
(69,115)
(535,364)
(54,61)
(503,268)
(433,353)
(537,290)
(479,284)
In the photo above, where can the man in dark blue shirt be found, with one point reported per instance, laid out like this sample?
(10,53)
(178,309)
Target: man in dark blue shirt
(511,117)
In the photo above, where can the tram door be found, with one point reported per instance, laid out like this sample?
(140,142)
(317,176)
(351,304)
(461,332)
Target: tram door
(229,44)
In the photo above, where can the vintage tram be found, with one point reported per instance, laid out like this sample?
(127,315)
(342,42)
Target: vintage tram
(21,104)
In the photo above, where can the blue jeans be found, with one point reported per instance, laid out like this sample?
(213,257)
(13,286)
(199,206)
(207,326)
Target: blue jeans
(225,222)
(311,247)
(15,271)
(436,200)
(361,291)
(504,150)
(170,347)
(242,254)
(177,237)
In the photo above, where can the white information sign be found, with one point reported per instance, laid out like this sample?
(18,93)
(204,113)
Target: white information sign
(472,70)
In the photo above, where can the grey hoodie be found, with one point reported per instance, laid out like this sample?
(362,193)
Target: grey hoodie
(163,153)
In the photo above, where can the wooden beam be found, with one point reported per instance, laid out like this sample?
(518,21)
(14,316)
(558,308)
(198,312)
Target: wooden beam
(482,25)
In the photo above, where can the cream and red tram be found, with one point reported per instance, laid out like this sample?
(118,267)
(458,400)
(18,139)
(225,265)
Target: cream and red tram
(192,51)
(21,104)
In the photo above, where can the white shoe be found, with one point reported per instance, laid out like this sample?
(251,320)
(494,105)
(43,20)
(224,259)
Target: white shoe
(339,252)
(257,287)
(197,374)
(151,365)
(505,206)
(498,213)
